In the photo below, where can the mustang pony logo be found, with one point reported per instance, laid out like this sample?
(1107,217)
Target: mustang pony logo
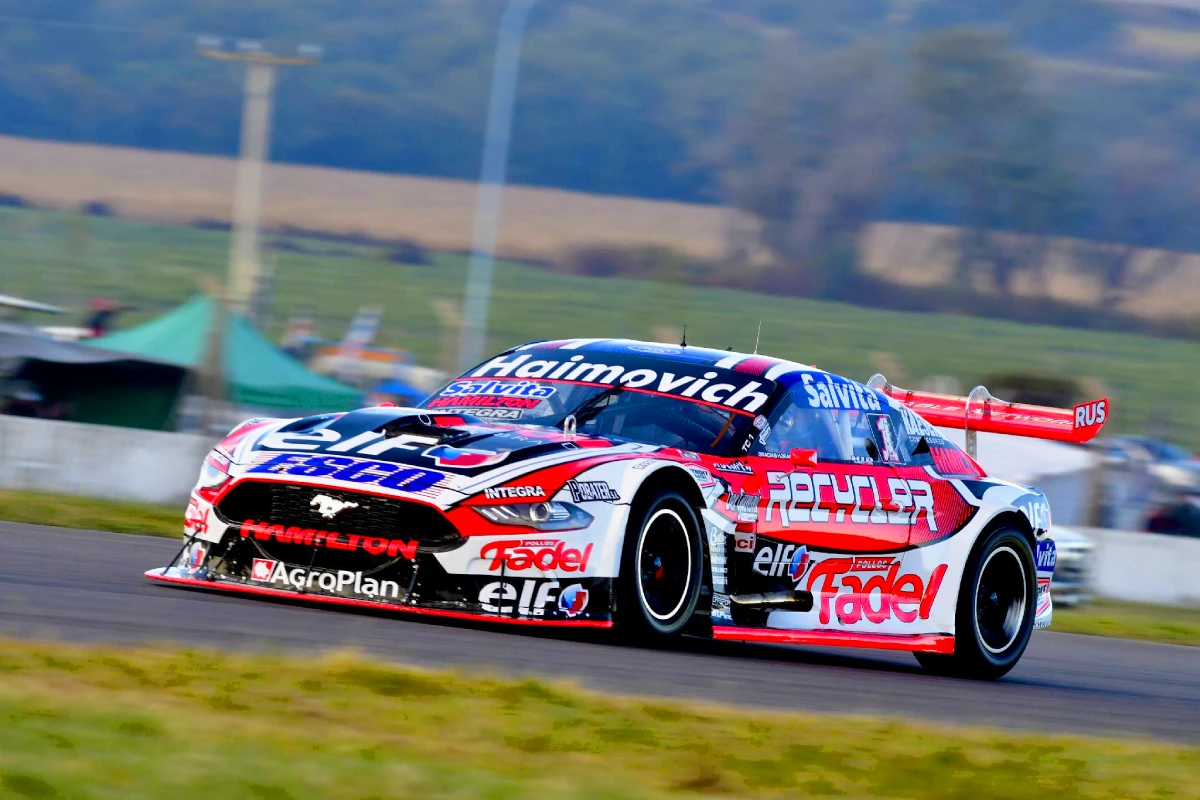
(328,507)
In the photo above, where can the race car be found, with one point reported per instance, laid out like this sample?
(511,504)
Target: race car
(666,490)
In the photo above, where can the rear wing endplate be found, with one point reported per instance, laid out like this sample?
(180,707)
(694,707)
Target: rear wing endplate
(979,411)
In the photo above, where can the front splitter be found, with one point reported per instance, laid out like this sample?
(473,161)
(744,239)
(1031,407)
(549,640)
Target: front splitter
(161,576)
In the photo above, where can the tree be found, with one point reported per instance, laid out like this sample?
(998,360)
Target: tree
(811,157)
(990,141)
(1143,207)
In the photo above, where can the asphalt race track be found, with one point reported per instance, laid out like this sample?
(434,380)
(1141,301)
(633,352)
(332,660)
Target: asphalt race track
(87,586)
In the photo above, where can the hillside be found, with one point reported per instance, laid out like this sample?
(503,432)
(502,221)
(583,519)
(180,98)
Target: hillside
(1153,382)
(539,224)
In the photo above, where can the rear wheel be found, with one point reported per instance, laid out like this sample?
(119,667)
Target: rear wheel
(995,610)
(660,568)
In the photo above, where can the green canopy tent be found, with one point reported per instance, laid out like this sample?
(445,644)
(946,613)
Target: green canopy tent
(90,384)
(255,372)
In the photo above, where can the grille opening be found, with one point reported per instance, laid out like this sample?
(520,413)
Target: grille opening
(385,517)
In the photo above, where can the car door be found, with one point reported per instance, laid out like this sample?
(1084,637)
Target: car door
(830,479)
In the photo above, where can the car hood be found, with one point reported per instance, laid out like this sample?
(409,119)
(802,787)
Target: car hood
(414,437)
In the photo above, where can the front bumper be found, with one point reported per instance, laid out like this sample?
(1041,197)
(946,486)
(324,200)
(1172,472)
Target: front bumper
(175,576)
(389,555)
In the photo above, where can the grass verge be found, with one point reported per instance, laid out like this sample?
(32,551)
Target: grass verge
(1145,621)
(68,511)
(94,722)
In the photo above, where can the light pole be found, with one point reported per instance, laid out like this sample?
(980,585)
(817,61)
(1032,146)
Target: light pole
(245,266)
(491,181)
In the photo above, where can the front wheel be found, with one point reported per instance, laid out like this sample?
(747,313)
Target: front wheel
(661,565)
(995,610)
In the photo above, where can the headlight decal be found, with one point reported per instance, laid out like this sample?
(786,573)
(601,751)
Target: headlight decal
(545,516)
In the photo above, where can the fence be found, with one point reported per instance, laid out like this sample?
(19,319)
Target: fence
(1145,567)
(98,460)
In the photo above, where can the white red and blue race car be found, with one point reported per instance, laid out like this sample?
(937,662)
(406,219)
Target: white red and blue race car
(663,489)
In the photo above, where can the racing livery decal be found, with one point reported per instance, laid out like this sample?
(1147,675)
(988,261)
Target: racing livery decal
(668,488)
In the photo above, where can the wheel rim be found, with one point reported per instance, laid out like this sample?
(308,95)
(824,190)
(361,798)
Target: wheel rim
(664,564)
(1001,597)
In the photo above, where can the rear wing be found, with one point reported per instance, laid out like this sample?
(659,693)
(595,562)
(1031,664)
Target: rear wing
(979,411)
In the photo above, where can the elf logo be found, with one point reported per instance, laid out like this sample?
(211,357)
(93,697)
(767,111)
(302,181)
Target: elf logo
(531,598)
(775,561)
(799,564)
(573,600)
(444,455)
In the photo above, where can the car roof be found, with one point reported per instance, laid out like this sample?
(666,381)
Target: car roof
(767,367)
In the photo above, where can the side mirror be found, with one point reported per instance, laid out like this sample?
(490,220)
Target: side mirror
(803,458)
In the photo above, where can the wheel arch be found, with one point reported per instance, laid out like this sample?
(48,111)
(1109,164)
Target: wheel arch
(669,476)
(1008,518)
(674,478)
(1004,517)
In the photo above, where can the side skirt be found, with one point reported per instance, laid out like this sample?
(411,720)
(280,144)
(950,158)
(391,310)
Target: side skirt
(925,643)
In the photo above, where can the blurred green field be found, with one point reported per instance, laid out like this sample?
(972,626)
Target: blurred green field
(1145,621)
(69,511)
(60,257)
(151,723)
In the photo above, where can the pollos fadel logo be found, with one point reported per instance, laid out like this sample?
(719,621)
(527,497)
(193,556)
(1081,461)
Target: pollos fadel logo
(849,594)
(547,555)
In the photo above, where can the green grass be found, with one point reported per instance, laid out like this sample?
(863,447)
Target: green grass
(108,723)
(63,257)
(1123,620)
(68,511)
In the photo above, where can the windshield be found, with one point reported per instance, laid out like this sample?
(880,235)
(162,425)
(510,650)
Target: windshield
(629,414)
(654,401)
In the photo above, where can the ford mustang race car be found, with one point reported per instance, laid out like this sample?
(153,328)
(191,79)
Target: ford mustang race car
(666,490)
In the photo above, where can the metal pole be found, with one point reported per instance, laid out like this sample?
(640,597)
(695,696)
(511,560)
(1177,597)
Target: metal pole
(491,181)
(248,192)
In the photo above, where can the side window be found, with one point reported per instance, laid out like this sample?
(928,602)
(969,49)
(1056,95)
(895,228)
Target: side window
(830,432)
(910,430)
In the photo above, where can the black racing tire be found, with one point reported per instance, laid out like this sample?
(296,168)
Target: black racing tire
(996,606)
(661,569)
